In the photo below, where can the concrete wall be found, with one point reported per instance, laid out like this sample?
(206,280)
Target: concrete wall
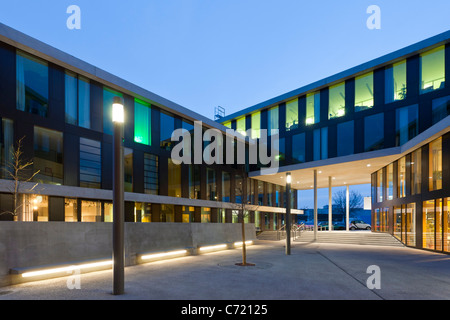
(36,244)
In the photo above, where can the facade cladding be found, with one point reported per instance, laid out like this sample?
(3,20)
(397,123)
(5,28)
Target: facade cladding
(384,104)
(64,118)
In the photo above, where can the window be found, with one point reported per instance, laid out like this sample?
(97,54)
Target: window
(194,181)
(298,148)
(272,119)
(416,171)
(432,70)
(128,169)
(320,143)
(345,138)
(406,123)
(440,109)
(167,126)
(227,124)
(260,192)
(395,82)
(336,106)
(108,98)
(32,84)
(91,211)
(48,156)
(390,181)
(174,179)
(142,122)
(70,210)
(401,172)
(292,115)
(239,188)
(211,192)
(256,125)
(226,187)
(6,146)
(90,163)
(312,108)
(435,165)
(380,185)
(364,92)
(374,132)
(240,126)
(428,226)
(151,175)
(446,223)
(270,194)
(411,224)
(77,96)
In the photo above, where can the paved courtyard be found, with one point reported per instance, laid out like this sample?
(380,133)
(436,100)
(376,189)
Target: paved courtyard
(312,272)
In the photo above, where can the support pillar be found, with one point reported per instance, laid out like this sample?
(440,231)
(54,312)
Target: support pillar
(330,206)
(347,209)
(315,205)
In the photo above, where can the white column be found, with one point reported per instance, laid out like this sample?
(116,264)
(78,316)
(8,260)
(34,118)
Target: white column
(347,209)
(330,206)
(315,205)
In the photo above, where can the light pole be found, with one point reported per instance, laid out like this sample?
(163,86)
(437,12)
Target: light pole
(288,213)
(118,199)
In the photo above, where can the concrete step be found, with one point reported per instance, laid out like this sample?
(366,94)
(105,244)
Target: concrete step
(351,237)
(271,236)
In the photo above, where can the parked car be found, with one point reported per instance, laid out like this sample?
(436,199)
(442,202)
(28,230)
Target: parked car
(359,225)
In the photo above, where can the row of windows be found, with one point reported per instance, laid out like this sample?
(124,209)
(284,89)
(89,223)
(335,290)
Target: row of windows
(385,179)
(432,77)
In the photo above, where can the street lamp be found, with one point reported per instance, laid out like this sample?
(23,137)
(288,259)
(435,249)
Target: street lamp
(288,213)
(118,198)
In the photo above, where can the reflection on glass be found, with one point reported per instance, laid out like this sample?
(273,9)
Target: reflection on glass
(128,169)
(32,84)
(374,132)
(167,126)
(90,163)
(395,82)
(167,213)
(432,70)
(336,106)
(6,147)
(407,124)
(151,175)
(312,108)
(364,92)
(440,109)
(226,187)
(298,148)
(48,156)
(345,138)
(292,115)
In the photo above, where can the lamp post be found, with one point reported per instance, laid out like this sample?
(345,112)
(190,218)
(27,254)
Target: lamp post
(118,198)
(288,213)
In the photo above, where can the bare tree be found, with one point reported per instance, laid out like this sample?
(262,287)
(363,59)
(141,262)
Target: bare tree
(356,201)
(18,170)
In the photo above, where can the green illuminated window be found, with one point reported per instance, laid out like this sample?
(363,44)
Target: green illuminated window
(336,106)
(432,70)
(292,115)
(396,82)
(142,122)
(227,124)
(240,125)
(256,125)
(364,92)
(312,108)
(272,120)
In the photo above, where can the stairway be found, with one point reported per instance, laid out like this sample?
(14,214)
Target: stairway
(271,236)
(351,237)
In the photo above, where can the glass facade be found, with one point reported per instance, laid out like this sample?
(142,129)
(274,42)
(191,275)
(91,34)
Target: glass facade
(77,100)
(432,70)
(174,179)
(48,156)
(440,109)
(364,92)
(273,120)
(108,98)
(292,115)
(256,125)
(435,165)
(345,138)
(32,84)
(167,126)
(90,163)
(401,178)
(336,103)
(6,147)
(312,108)
(151,175)
(142,122)
(407,124)
(374,132)
(299,148)
(395,82)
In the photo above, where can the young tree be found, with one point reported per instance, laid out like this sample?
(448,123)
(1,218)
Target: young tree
(19,170)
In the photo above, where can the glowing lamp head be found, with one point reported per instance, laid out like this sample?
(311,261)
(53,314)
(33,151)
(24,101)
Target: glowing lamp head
(117,110)
(288,178)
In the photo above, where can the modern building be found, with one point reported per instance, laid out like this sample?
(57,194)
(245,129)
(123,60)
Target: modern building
(385,122)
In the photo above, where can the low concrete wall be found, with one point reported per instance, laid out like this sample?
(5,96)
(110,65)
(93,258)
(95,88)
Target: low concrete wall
(35,244)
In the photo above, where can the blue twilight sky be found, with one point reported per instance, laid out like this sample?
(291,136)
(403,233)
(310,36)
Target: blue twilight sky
(232,53)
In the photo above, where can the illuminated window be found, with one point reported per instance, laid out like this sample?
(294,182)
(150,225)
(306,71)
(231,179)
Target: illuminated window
(292,115)
(401,184)
(395,82)
(240,126)
(380,185)
(428,224)
(142,122)
(432,70)
(336,106)
(416,171)
(364,92)
(435,165)
(272,119)
(390,181)
(312,108)
(70,210)
(174,179)
(256,125)
(91,211)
